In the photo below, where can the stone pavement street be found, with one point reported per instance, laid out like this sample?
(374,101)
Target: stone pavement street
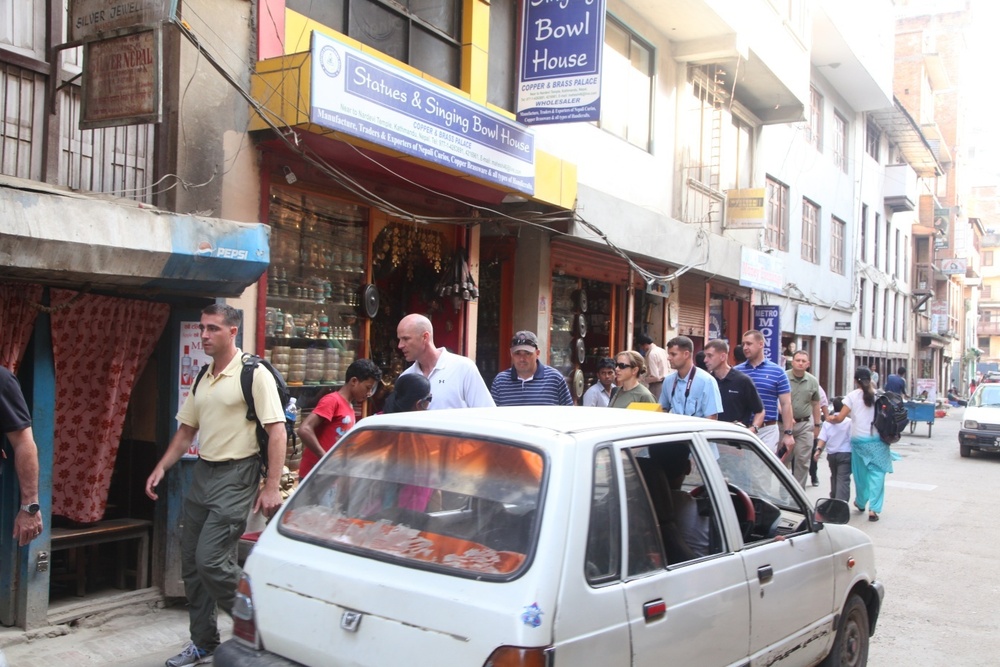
(137,636)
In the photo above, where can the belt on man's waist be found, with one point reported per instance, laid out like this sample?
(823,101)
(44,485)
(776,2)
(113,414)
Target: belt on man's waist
(770,423)
(227,462)
(804,419)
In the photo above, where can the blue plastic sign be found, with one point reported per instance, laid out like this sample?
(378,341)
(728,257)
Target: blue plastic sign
(767,320)
(364,97)
(560,74)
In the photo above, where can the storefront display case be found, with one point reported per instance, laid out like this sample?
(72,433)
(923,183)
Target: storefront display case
(581,329)
(312,326)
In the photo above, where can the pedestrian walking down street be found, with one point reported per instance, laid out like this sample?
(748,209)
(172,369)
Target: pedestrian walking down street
(689,390)
(835,439)
(871,458)
(226,477)
(333,415)
(657,364)
(528,381)
(455,380)
(806,413)
(599,395)
(15,423)
(629,367)
(741,403)
(769,378)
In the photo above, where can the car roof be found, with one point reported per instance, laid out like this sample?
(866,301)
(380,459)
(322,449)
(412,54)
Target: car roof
(525,422)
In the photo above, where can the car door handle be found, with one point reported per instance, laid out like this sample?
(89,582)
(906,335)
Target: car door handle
(765,573)
(654,609)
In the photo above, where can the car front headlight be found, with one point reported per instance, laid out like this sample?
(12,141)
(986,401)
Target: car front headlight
(971,424)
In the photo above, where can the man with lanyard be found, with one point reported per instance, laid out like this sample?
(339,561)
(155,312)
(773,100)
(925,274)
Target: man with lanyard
(225,479)
(775,393)
(741,403)
(657,361)
(805,411)
(529,381)
(455,380)
(689,391)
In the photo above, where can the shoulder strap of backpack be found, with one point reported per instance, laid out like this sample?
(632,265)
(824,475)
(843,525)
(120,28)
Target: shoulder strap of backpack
(201,374)
(250,364)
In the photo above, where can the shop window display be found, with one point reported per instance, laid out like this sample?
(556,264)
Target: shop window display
(581,329)
(318,267)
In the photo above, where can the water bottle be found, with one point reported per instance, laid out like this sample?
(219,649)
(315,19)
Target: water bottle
(291,410)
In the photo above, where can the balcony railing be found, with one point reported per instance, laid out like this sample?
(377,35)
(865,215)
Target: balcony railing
(989,328)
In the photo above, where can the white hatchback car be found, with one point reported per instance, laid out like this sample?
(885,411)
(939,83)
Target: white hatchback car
(534,537)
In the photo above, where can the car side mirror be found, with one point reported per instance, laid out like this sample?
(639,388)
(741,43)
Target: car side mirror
(832,510)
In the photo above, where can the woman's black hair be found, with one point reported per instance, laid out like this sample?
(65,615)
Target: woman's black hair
(410,388)
(863,377)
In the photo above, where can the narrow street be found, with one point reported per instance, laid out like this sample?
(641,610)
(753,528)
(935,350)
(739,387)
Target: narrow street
(935,547)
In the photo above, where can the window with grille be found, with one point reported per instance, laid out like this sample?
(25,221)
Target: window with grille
(873,140)
(627,85)
(423,33)
(810,231)
(814,131)
(987,258)
(776,231)
(837,240)
(840,142)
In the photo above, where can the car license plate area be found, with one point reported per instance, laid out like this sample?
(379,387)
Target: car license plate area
(995,443)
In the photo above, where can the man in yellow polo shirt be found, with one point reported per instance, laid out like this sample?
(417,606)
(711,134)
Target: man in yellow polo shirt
(226,477)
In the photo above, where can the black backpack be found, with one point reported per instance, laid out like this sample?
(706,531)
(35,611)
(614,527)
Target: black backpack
(890,417)
(250,364)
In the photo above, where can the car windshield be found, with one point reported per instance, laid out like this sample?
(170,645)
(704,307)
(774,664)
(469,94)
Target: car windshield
(464,505)
(988,395)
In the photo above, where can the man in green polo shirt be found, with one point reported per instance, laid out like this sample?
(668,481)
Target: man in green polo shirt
(805,410)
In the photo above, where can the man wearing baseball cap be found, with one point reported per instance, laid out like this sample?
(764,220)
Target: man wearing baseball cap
(529,381)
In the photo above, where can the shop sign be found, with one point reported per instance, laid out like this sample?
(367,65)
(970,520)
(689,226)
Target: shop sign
(121,81)
(367,98)
(841,326)
(745,209)
(761,271)
(954,267)
(89,19)
(939,316)
(715,321)
(805,316)
(191,358)
(767,320)
(559,80)
(926,390)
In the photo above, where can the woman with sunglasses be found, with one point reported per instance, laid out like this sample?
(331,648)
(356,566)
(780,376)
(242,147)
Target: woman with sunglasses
(629,367)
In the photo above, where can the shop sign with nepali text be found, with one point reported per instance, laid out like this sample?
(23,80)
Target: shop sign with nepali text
(370,99)
(122,81)
(559,78)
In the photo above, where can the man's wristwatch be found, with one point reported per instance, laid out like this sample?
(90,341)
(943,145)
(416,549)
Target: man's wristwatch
(789,431)
(753,427)
(31,508)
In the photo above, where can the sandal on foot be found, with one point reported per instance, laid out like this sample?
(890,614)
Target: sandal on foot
(873,517)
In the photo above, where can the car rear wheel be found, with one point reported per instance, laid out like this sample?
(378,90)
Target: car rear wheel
(965,451)
(850,647)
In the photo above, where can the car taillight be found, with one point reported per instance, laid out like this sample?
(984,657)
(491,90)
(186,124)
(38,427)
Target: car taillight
(516,656)
(244,625)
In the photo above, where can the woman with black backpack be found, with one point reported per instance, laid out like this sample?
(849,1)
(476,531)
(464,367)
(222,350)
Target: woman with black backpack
(871,457)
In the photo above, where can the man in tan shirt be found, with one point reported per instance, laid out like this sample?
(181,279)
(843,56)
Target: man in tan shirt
(226,477)
(657,364)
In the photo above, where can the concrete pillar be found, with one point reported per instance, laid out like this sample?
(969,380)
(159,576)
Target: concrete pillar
(533,286)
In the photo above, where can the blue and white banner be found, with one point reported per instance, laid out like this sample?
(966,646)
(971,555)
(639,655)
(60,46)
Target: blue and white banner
(560,74)
(370,99)
(767,320)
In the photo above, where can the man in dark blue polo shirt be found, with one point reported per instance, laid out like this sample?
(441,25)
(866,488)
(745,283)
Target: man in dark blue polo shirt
(772,384)
(529,381)
(896,382)
(741,403)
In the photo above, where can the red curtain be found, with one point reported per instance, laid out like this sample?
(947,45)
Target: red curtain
(100,345)
(18,310)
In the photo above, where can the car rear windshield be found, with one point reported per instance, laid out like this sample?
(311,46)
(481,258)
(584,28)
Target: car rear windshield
(464,505)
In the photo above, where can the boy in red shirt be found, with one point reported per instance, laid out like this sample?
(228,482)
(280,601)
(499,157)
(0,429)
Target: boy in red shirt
(333,416)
